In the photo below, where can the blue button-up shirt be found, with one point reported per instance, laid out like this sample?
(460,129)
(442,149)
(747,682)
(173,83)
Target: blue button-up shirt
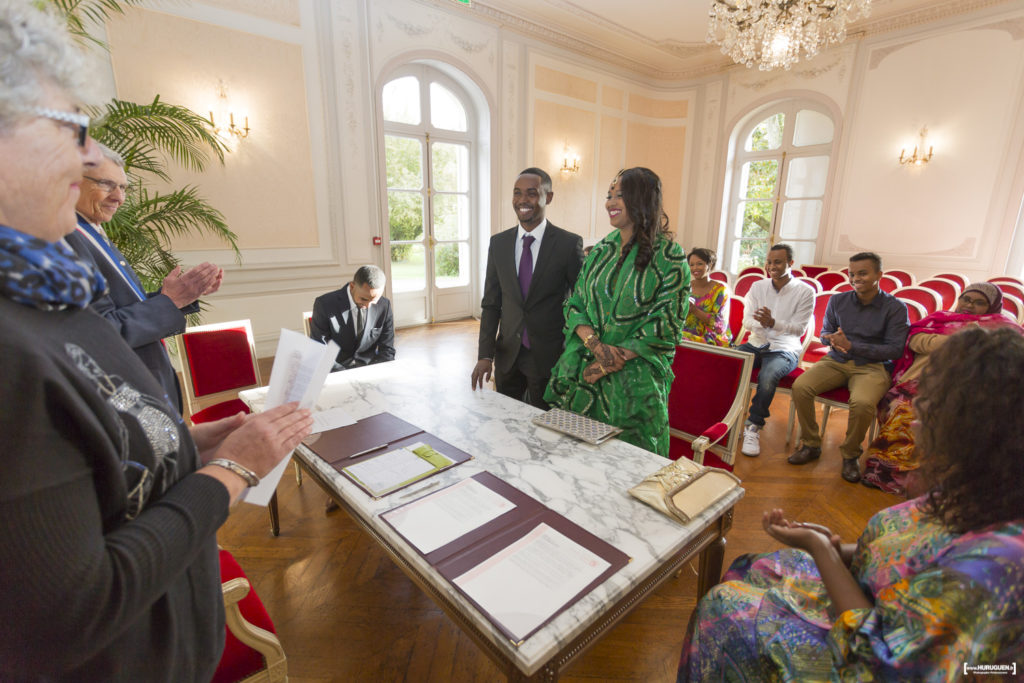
(877,331)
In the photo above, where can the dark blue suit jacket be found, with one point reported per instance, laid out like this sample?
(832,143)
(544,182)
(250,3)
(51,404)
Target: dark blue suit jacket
(143,324)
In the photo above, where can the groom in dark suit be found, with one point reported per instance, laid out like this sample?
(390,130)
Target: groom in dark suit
(530,270)
(358,319)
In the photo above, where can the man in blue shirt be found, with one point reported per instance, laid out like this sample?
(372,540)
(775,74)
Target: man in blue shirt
(866,330)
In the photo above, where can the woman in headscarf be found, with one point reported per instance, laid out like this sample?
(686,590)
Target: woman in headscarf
(893,458)
(110,504)
(624,318)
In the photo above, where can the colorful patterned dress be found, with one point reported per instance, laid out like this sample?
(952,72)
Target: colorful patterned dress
(940,600)
(715,302)
(640,311)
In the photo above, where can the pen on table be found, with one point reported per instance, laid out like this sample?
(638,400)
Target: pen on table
(368,450)
(419,490)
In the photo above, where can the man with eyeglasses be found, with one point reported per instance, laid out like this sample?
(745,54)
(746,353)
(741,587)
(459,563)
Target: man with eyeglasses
(143,318)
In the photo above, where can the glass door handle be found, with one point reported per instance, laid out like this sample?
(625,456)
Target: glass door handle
(431,241)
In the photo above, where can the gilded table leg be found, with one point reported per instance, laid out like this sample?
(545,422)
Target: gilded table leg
(275,521)
(710,571)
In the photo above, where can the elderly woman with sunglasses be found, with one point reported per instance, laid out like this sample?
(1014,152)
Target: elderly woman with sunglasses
(110,506)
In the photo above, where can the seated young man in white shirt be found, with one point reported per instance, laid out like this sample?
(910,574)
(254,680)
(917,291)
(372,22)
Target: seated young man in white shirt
(779,309)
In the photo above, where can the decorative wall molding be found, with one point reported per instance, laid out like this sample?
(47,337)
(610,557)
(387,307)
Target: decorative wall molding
(936,11)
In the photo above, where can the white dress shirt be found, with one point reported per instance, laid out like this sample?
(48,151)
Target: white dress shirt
(792,308)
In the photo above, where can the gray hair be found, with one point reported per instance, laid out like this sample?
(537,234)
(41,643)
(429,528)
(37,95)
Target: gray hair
(110,154)
(35,51)
(370,275)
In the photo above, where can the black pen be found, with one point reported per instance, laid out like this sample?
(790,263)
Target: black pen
(368,450)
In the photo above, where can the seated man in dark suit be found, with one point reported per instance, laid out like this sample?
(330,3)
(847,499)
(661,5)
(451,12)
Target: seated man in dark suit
(358,319)
(143,318)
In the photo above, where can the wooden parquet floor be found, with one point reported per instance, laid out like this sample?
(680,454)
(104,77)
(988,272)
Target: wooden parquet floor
(345,612)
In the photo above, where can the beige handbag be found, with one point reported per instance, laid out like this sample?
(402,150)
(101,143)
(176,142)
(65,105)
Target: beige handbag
(684,489)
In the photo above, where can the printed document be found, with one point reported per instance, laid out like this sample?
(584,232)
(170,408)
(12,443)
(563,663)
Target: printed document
(442,517)
(526,583)
(385,473)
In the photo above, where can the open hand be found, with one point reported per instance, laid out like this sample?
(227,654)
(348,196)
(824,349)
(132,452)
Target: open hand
(481,373)
(185,287)
(763,316)
(594,372)
(838,340)
(802,535)
(263,440)
(210,435)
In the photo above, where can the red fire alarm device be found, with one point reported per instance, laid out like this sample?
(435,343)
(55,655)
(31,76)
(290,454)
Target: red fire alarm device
(376,241)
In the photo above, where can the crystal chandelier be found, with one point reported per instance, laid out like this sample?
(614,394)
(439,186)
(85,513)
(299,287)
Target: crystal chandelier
(774,33)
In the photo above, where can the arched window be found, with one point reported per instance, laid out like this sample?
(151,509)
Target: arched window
(429,156)
(777,190)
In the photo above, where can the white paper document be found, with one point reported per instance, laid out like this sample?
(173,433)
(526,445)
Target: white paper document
(326,420)
(529,581)
(301,366)
(441,517)
(395,468)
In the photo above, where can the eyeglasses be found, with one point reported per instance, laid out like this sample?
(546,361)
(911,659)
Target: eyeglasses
(109,185)
(981,302)
(79,122)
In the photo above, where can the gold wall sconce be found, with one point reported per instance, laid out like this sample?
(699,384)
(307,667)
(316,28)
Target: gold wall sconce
(240,132)
(918,157)
(570,162)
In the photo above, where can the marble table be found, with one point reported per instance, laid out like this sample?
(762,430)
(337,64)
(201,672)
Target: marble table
(588,484)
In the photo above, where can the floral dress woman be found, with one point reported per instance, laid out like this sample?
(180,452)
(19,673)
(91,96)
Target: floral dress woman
(715,302)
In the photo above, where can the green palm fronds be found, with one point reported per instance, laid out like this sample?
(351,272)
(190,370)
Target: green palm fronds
(79,13)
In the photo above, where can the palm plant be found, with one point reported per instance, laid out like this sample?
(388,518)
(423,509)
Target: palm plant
(148,136)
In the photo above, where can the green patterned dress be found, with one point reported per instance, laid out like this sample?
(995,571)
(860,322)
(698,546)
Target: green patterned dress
(640,311)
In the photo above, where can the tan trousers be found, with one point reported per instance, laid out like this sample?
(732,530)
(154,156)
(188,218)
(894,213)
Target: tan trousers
(867,384)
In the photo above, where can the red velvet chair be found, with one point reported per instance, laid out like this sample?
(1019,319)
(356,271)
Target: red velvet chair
(755,270)
(814,284)
(829,279)
(815,350)
(706,403)
(1006,278)
(785,385)
(720,276)
(217,361)
(798,272)
(1014,307)
(838,398)
(931,301)
(307,320)
(889,284)
(955,277)
(947,290)
(915,311)
(905,277)
(743,283)
(252,651)
(811,270)
(1011,288)
(842,287)
(737,309)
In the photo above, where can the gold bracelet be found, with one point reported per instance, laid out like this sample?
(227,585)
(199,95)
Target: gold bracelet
(244,472)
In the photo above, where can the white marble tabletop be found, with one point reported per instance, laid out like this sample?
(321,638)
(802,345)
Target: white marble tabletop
(587,484)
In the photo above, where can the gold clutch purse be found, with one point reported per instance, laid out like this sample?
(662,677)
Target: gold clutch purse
(684,489)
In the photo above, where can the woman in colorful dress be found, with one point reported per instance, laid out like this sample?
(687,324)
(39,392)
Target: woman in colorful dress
(933,583)
(708,319)
(624,318)
(893,459)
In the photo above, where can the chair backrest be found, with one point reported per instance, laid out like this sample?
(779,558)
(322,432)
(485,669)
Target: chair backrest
(252,651)
(798,272)
(737,309)
(922,295)
(815,285)
(710,387)
(906,278)
(842,287)
(845,270)
(1014,306)
(830,278)
(755,270)
(1006,278)
(743,283)
(307,320)
(889,284)
(955,277)
(1011,289)
(947,290)
(820,305)
(915,311)
(217,361)
(811,270)
(719,276)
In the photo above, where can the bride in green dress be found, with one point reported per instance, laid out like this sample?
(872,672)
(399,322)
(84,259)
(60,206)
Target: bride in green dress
(624,318)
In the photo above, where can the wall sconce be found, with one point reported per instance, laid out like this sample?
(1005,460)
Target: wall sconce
(225,112)
(914,158)
(570,162)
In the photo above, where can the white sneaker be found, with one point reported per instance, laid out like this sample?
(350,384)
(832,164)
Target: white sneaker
(751,441)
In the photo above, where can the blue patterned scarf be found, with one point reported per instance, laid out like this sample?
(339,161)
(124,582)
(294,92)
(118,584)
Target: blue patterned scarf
(45,275)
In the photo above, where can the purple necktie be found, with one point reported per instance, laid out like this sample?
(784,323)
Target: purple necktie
(525,275)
